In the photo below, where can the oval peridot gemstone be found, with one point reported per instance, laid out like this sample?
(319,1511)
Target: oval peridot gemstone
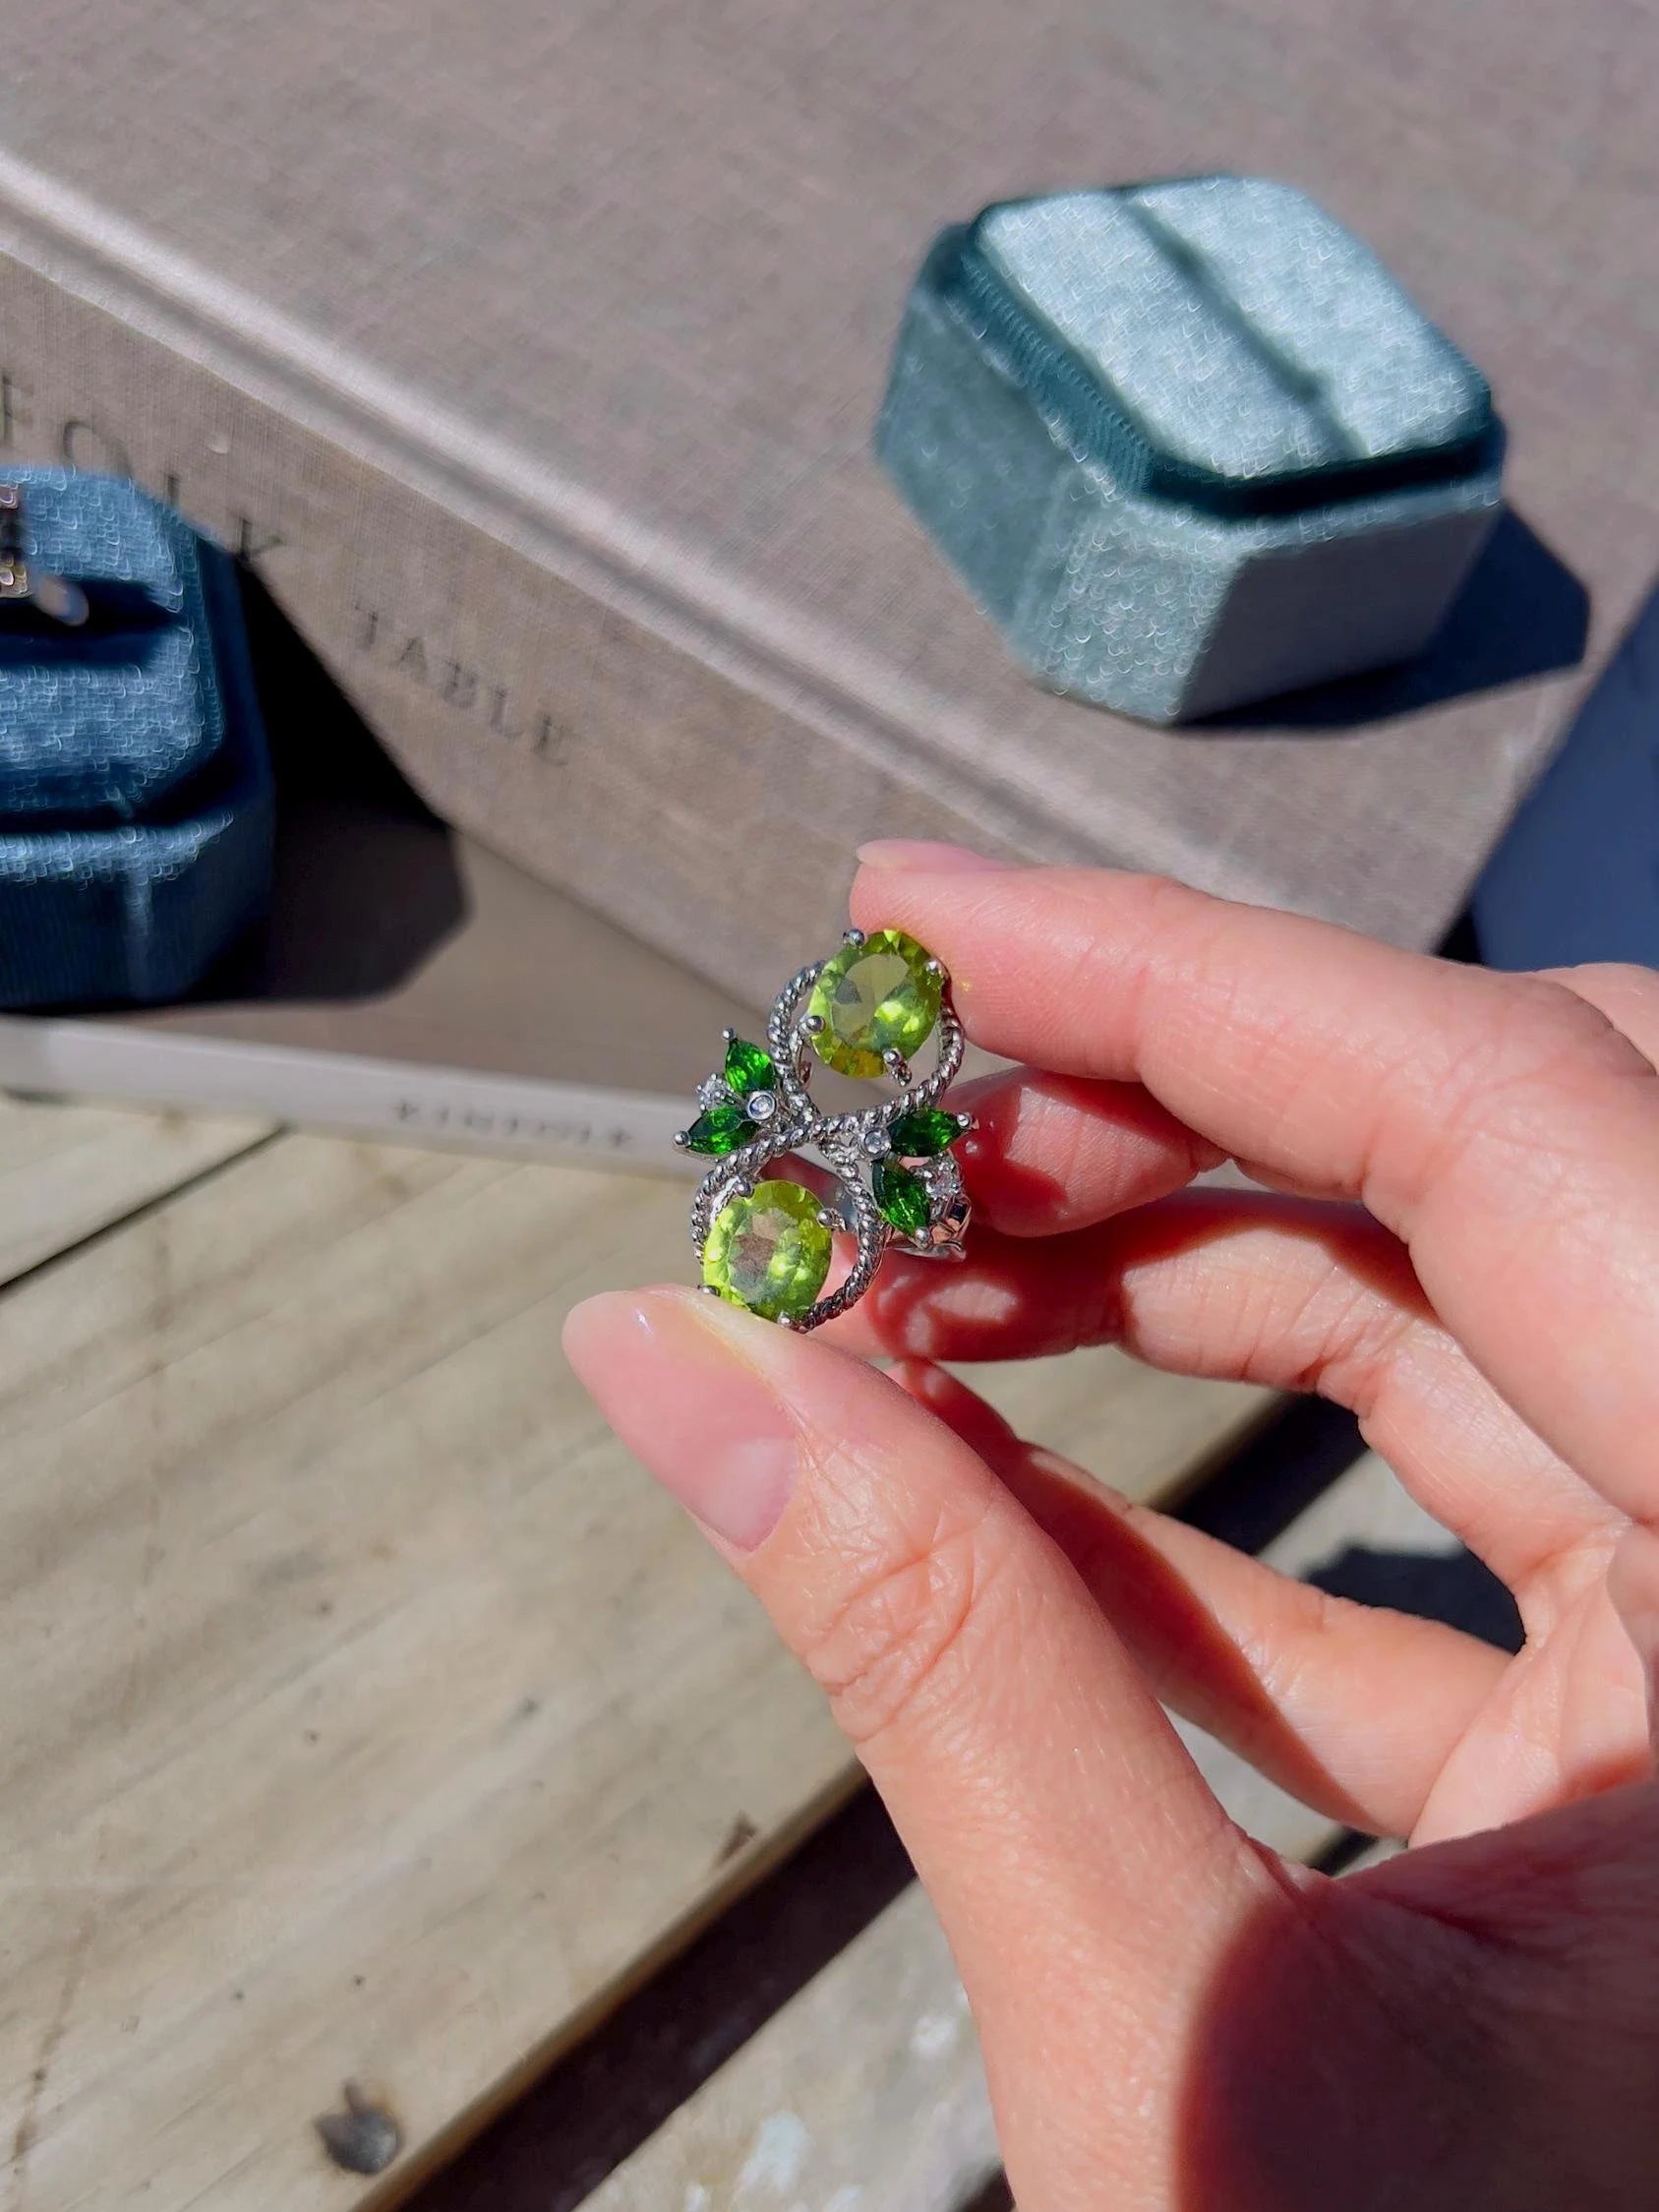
(769,1253)
(875,998)
(723,1129)
(900,1196)
(748,1068)
(922,1134)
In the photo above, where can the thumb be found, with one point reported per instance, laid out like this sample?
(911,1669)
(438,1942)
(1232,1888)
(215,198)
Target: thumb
(1087,1878)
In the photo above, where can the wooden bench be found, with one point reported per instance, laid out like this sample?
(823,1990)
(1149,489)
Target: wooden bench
(377,1730)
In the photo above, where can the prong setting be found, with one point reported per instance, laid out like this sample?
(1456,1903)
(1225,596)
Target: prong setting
(776,1257)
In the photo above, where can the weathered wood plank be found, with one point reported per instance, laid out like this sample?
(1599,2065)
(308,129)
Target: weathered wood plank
(67,1172)
(1147,1434)
(384,1721)
(866,2092)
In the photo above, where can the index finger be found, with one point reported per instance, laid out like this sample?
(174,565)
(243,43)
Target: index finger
(1498,1124)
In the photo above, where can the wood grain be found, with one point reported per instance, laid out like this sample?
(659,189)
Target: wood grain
(68,1171)
(865,2093)
(383,1721)
(1147,1434)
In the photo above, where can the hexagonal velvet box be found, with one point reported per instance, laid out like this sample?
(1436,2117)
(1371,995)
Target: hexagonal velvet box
(1189,444)
(135,804)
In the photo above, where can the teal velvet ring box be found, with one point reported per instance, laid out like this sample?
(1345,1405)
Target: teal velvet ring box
(1189,444)
(134,793)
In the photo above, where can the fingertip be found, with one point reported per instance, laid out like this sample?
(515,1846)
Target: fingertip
(595,1322)
(916,885)
(686,1388)
(926,856)
(610,1330)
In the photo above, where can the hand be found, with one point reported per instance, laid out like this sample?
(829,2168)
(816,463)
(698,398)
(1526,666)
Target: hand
(1459,1238)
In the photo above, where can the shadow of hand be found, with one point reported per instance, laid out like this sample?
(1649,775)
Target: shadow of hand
(1471,2023)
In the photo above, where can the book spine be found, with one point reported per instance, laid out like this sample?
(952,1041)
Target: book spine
(604,756)
(574,1122)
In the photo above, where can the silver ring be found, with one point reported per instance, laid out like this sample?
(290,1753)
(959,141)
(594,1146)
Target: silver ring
(766,1243)
(60,600)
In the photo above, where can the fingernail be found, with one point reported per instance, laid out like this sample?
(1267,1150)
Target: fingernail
(889,855)
(667,1368)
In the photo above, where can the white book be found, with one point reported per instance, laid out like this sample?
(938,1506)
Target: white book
(350,1092)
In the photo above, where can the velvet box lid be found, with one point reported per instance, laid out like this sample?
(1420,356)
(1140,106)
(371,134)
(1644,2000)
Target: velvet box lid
(135,794)
(1189,443)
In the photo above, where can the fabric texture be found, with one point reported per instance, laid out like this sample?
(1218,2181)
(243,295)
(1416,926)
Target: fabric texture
(135,794)
(1188,443)
(531,353)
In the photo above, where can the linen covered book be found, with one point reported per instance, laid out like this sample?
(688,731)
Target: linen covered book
(532,355)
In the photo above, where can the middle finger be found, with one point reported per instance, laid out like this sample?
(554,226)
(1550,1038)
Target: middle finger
(1253,1288)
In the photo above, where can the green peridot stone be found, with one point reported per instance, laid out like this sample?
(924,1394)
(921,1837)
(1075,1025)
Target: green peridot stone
(875,998)
(769,1253)
(922,1134)
(748,1068)
(900,1196)
(723,1129)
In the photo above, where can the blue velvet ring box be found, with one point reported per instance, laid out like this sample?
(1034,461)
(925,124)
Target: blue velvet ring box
(134,793)
(1189,444)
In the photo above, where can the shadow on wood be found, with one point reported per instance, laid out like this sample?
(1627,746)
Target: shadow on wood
(580,2121)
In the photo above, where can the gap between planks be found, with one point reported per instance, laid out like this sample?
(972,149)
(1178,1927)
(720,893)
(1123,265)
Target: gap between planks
(386,1722)
(864,2092)
(70,1172)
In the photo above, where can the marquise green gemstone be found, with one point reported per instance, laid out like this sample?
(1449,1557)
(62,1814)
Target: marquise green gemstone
(769,1253)
(875,998)
(748,1068)
(723,1129)
(922,1133)
(900,1196)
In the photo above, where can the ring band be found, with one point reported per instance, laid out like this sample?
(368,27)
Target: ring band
(767,1243)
